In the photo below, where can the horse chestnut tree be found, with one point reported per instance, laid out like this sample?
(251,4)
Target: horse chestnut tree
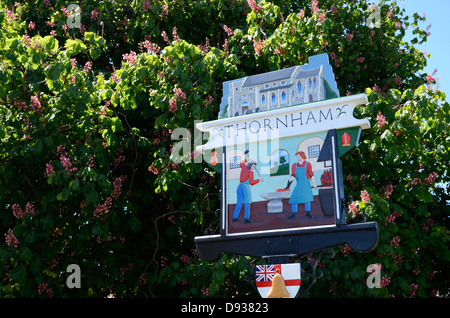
(91,94)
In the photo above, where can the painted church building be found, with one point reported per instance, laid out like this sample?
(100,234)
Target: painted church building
(282,88)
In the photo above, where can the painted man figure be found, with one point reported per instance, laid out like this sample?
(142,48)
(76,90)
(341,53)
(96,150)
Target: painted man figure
(302,193)
(244,195)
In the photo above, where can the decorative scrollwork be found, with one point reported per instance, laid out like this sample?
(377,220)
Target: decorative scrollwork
(314,273)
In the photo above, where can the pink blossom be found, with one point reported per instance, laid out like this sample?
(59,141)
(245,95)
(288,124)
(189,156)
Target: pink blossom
(153,170)
(398,80)
(114,77)
(258,46)
(388,190)
(67,164)
(255,7)
(349,37)
(117,186)
(103,208)
(73,61)
(431,178)
(53,33)
(346,250)
(10,14)
(179,94)
(165,11)
(146,5)
(389,219)
(381,120)
(11,240)
(385,280)
(360,59)
(36,104)
(87,67)
(389,14)
(430,78)
(209,100)
(314,6)
(185,258)
(31,25)
(173,105)
(65,12)
(398,25)
(49,170)
(94,15)
(414,182)
(395,241)
(152,47)
(202,48)
(176,38)
(27,39)
(130,58)
(321,17)
(353,209)
(428,30)
(29,209)
(365,196)
(228,30)
(302,13)
(165,37)
(413,288)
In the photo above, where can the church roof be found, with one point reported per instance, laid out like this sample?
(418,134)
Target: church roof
(278,75)
(269,76)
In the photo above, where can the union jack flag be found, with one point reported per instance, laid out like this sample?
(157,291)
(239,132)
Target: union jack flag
(265,273)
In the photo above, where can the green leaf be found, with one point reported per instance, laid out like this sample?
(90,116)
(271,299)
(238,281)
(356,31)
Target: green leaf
(50,43)
(74,184)
(135,224)
(73,47)
(54,71)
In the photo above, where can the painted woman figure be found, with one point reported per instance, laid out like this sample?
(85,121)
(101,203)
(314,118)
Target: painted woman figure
(244,195)
(302,193)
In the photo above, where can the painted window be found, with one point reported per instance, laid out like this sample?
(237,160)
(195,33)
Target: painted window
(313,151)
(263,100)
(315,83)
(279,163)
(274,99)
(235,162)
(245,107)
(283,97)
(299,88)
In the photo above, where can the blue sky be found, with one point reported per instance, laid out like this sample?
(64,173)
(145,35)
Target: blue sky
(438,43)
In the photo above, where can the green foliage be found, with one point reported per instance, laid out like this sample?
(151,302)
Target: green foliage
(86,116)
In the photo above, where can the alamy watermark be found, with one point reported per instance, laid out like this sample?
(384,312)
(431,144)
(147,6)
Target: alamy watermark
(373,21)
(74,279)
(374,279)
(74,18)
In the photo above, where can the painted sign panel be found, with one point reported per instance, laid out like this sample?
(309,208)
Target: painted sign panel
(278,148)
(278,143)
